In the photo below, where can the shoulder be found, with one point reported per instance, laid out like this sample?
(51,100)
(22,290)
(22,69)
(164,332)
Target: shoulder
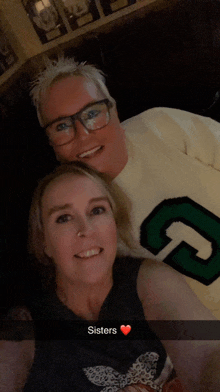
(156,275)
(158,283)
(173,126)
(165,294)
(162,116)
(160,112)
(176,129)
(177,114)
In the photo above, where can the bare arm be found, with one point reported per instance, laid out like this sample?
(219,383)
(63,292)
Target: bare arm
(16,357)
(15,364)
(166,296)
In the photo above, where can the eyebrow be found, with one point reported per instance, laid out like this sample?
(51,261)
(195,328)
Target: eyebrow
(54,209)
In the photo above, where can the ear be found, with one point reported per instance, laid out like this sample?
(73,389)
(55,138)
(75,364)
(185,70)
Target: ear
(115,108)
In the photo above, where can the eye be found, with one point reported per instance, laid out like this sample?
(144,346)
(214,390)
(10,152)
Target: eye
(63,218)
(63,126)
(92,113)
(98,210)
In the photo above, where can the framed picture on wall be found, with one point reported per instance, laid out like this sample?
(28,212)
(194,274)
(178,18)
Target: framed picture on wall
(80,12)
(110,6)
(46,19)
(7,56)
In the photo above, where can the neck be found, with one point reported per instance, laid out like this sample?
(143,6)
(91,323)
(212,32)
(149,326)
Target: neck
(85,300)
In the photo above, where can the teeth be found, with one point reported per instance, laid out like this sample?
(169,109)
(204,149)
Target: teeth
(89,253)
(86,153)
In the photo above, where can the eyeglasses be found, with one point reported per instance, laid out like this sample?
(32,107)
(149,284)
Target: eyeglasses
(94,116)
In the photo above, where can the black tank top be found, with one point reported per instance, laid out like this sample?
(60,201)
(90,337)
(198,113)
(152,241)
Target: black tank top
(100,364)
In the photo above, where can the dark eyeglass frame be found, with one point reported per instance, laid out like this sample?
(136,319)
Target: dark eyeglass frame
(77,115)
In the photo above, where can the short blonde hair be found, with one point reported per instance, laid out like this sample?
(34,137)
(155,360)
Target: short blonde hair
(61,69)
(119,203)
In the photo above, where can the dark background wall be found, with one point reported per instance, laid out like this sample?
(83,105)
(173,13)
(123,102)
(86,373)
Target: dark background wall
(166,54)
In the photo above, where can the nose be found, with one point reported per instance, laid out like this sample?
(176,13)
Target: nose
(84,227)
(81,131)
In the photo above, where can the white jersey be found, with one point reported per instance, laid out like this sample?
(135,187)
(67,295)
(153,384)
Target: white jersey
(173,180)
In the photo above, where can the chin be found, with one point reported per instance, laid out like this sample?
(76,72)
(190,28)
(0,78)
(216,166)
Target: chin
(61,160)
(94,279)
(64,159)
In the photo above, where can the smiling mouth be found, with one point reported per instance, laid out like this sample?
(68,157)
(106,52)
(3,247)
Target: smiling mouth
(89,253)
(90,153)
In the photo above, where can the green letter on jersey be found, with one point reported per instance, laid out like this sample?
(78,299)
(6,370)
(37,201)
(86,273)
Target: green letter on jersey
(183,257)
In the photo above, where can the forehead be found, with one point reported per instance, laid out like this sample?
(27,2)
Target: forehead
(72,188)
(67,96)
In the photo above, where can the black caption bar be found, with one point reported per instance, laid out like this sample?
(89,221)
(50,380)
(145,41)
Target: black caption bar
(114,330)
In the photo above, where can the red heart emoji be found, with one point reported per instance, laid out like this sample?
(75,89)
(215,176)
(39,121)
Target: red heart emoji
(125,329)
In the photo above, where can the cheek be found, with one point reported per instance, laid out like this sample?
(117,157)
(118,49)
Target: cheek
(115,234)
(109,233)
(66,153)
(116,136)
(56,246)
(115,122)
(47,245)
